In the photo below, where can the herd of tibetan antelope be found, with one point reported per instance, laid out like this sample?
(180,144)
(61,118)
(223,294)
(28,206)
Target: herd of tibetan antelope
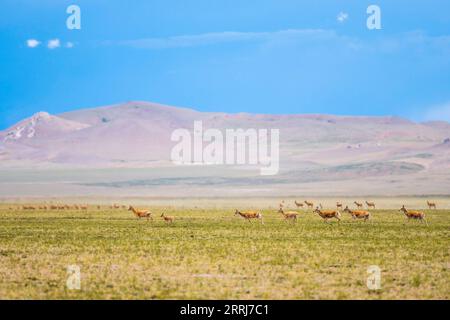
(359,213)
(289,215)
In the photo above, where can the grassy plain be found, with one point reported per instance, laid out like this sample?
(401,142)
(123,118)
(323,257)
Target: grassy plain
(208,253)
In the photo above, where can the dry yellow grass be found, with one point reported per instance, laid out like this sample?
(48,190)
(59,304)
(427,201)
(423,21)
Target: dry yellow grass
(211,254)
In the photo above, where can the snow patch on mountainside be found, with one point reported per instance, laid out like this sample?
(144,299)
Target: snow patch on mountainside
(40,122)
(27,128)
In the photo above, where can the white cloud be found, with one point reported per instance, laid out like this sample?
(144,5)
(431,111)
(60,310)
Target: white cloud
(416,41)
(53,44)
(439,112)
(32,43)
(222,37)
(342,16)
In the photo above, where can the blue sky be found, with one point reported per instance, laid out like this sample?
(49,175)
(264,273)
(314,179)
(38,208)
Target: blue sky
(254,56)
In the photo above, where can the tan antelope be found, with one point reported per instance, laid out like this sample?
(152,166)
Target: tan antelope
(358,214)
(248,215)
(289,215)
(28,208)
(370,204)
(141,213)
(83,207)
(328,214)
(309,204)
(419,215)
(338,205)
(298,204)
(431,204)
(359,205)
(168,219)
(416,215)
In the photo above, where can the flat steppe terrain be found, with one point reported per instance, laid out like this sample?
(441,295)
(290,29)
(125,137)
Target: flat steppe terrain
(209,253)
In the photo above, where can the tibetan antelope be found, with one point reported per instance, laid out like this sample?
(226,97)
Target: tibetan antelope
(298,204)
(416,215)
(370,204)
(431,204)
(358,214)
(338,205)
(141,213)
(248,215)
(309,204)
(289,215)
(359,205)
(168,219)
(328,214)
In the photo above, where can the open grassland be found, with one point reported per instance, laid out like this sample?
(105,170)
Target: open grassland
(212,254)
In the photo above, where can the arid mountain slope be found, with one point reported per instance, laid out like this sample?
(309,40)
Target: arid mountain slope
(314,149)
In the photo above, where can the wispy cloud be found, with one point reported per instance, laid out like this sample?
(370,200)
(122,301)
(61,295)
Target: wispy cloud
(438,112)
(342,16)
(407,40)
(32,43)
(416,40)
(221,37)
(53,44)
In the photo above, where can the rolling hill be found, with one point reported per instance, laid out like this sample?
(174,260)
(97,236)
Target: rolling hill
(318,153)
